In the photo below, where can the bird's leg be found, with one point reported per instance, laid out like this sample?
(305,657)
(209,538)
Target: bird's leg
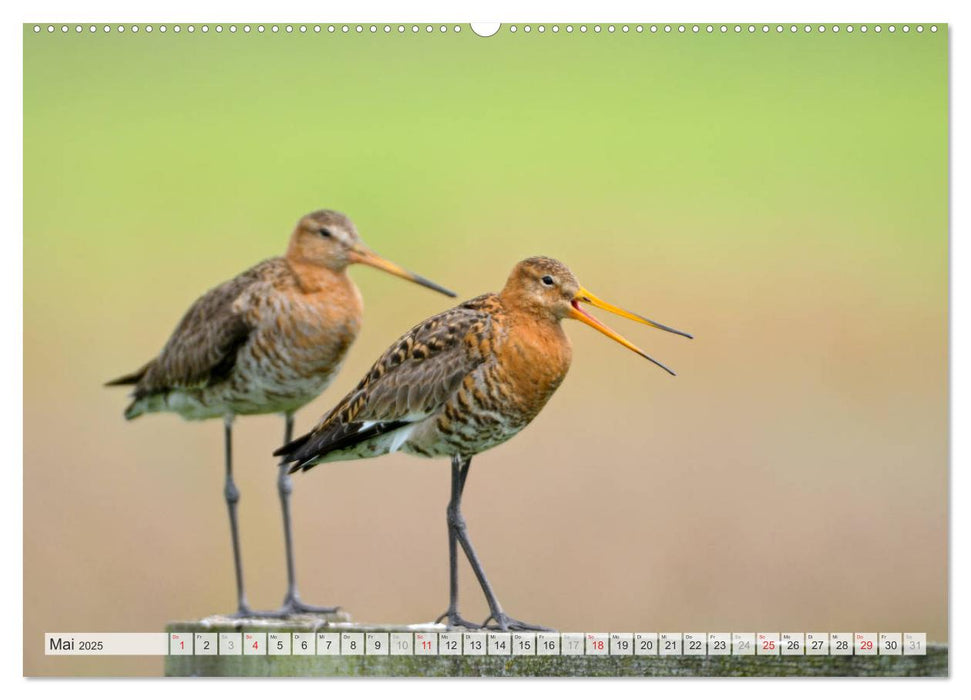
(232,499)
(501,619)
(458,533)
(453,516)
(291,602)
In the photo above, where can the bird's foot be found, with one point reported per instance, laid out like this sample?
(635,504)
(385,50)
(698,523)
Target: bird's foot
(508,624)
(456,620)
(292,605)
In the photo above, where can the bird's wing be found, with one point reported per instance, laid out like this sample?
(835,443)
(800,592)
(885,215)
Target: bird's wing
(203,348)
(412,380)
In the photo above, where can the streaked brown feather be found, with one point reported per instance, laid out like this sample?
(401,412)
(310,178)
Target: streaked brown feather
(202,349)
(269,340)
(412,380)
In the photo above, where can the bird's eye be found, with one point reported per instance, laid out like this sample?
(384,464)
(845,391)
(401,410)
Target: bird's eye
(548,281)
(325,232)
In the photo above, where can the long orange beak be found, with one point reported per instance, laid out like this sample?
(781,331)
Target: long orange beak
(360,254)
(580,315)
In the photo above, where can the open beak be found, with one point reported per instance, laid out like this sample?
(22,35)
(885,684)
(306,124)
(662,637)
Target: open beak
(580,315)
(360,254)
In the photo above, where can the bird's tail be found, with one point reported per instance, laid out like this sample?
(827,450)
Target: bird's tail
(289,451)
(129,379)
(334,442)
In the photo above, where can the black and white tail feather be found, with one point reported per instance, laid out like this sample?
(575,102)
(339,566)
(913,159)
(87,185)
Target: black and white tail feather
(312,449)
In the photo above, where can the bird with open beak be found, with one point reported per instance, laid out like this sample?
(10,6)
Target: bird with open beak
(461,383)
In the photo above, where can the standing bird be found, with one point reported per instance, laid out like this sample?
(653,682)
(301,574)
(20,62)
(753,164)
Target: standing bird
(461,383)
(267,341)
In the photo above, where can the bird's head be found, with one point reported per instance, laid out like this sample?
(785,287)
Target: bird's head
(327,238)
(324,238)
(547,288)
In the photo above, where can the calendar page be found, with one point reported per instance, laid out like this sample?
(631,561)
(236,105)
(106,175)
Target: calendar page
(520,349)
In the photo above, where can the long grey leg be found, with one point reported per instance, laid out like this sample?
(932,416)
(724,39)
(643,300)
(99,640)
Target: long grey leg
(284,486)
(232,500)
(458,527)
(460,469)
(291,602)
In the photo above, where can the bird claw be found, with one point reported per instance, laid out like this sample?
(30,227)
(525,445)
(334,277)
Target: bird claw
(290,607)
(505,623)
(456,620)
(294,606)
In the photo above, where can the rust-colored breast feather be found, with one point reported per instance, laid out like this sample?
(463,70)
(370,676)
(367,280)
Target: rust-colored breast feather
(528,359)
(532,363)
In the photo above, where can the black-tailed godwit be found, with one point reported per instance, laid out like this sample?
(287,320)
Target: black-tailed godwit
(461,383)
(267,341)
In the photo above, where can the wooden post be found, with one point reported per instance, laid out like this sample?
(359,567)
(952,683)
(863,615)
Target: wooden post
(934,663)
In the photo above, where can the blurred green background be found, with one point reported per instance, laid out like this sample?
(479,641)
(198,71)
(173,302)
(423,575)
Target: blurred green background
(784,197)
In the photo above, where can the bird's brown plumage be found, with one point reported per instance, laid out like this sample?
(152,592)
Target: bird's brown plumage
(460,382)
(269,340)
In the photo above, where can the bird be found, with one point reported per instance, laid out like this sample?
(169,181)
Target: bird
(460,383)
(269,340)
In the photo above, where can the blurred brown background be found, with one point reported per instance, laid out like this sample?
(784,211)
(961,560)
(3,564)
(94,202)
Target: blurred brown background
(783,199)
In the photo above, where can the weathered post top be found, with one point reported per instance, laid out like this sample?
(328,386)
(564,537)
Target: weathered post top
(332,645)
